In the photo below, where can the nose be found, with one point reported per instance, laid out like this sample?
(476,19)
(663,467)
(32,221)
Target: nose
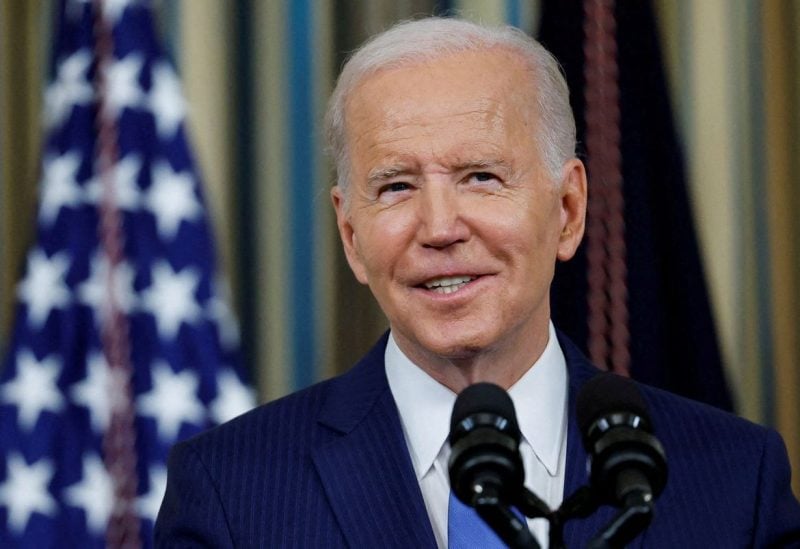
(441,220)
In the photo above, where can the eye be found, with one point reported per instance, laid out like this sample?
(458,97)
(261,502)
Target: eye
(482,177)
(395,187)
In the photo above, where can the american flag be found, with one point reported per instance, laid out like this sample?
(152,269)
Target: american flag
(122,342)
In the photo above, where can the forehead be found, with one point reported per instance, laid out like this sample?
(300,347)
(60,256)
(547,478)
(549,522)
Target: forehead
(485,97)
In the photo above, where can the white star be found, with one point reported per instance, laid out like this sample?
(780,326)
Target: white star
(172,198)
(34,389)
(220,313)
(149,503)
(94,494)
(25,491)
(166,100)
(172,401)
(122,84)
(70,88)
(44,287)
(93,392)
(233,397)
(114,9)
(60,187)
(96,293)
(126,192)
(170,298)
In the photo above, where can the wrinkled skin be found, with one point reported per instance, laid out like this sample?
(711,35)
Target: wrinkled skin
(447,187)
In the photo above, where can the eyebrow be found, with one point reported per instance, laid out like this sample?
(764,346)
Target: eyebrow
(381,174)
(481,165)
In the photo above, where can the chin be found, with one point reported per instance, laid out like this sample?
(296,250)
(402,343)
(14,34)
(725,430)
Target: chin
(456,348)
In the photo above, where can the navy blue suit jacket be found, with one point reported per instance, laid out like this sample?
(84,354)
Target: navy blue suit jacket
(329,467)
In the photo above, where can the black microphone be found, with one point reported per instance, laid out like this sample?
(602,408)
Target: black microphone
(485,465)
(484,442)
(628,467)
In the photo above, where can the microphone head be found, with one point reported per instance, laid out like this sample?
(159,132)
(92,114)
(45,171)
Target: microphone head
(617,434)
(484,443)
(607,394)
(483,399)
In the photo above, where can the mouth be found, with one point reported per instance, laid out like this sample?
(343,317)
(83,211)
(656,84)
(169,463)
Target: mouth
(447,284)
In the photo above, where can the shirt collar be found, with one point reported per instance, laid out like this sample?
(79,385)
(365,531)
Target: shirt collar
(425,405)
(540,399)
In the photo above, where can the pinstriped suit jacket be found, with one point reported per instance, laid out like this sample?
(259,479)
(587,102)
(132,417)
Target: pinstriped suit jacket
(329,467)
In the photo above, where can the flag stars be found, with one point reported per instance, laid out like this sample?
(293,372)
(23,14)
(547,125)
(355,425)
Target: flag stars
(170,298)
(233,397)
(149,503)
(94,494)
(172,199)
(34,389)
(44,287)
(166,100)
(220,313)
(113,10)
(125,192)
(61,392)
(60,187)
(70,88)
(96,293)
(93,392)
(24,491)
(122,84)
(172,401)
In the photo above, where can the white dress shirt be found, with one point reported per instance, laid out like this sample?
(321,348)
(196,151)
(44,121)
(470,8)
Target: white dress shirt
(540,400)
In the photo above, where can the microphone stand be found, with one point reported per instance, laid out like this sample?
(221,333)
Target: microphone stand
(514,532)
(508,526)
(632,519)
(581,504)
(635,516)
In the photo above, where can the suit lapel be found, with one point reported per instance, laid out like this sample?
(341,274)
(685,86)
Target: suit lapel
(578,532)
(366,471)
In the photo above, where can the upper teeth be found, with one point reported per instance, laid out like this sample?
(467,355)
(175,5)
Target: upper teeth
(448,284)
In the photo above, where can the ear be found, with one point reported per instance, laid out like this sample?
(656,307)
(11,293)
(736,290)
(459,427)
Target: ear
(348,235)
(573,208)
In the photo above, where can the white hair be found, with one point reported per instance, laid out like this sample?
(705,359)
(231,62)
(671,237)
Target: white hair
(413,42)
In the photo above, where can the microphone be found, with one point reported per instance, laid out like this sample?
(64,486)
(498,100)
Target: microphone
(485,465)
(484,442)
(628,467)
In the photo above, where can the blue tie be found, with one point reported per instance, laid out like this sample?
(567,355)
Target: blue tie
(466,530)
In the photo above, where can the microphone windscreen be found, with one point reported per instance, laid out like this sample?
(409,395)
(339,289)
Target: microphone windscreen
(607,394)
(483,398)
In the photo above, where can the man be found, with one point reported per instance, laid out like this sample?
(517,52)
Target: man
(458,191)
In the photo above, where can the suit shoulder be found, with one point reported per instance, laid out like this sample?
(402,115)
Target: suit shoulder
(279,419)
(703,426)
(727,464)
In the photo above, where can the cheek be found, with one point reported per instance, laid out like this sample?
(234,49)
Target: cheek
(381,242)
(529,239)
(525,227)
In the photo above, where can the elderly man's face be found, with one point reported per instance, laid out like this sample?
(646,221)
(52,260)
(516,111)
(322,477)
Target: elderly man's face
(452,219)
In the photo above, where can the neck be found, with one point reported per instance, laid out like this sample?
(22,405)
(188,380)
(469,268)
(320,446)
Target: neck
(503,366)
